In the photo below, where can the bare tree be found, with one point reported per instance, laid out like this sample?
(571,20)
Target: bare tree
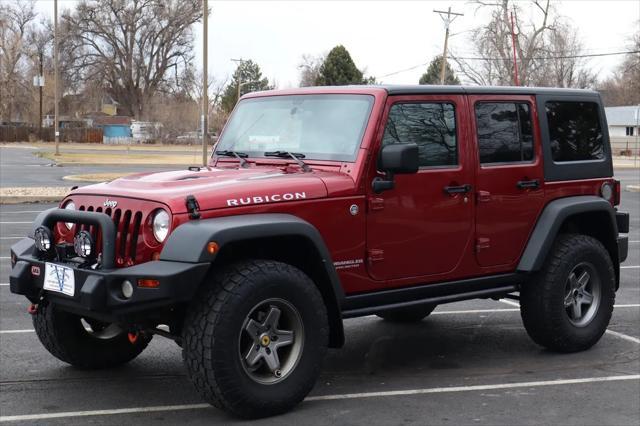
(130,45)
(624,87)
(310,69)
(546,48)
(16,21)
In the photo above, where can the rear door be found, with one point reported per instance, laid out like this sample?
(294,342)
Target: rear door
(509,178)
(421,227)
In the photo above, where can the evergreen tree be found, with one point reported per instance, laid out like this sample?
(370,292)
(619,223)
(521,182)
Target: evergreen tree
(432,76)
(338,69)
(249,77)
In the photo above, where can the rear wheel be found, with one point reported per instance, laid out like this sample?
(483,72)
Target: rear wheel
(85,343)
(568,304)
(254,340)
(410,314)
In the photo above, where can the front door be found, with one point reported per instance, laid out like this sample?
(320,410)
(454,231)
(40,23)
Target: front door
(421,227)
(509,179)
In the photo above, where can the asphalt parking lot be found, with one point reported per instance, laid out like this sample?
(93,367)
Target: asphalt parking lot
(468,363)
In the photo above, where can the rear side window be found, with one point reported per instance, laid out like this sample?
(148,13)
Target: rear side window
(432,126)
(574,131)
(504,132)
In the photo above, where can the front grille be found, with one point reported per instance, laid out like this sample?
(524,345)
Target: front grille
(128,232)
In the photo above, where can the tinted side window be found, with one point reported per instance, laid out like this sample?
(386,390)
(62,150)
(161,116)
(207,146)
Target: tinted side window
(574,131)
(432,126)
(504,132)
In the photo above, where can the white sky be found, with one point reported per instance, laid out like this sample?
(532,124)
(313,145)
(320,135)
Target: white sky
(382,36)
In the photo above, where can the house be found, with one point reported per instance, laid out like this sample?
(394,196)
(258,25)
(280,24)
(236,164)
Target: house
(623,120)
(624,131)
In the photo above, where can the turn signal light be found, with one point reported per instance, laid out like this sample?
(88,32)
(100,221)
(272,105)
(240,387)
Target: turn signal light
(212,247)
(148,283)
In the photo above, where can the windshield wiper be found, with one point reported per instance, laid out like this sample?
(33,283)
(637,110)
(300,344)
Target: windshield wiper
(295,155)
(239,155)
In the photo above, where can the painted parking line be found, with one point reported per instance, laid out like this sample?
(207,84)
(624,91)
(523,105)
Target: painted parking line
(408,392)
(13,223)
(630,267)
(17,237)
(610,332)
(22,211)
(623,336)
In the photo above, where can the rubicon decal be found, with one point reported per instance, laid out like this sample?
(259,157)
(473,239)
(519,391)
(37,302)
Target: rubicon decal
(261,199)
(348,264)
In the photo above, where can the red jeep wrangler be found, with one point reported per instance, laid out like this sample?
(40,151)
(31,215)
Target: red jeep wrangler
(327,203)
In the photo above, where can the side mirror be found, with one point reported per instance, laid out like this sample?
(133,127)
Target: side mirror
(401,158)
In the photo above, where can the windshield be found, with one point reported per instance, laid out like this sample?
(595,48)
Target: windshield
(322,127)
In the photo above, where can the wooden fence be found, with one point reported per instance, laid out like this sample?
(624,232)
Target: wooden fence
(47,134)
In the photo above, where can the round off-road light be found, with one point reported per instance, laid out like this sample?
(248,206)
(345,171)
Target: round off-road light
(127,289)
(69,206)
(161,225)
(606,191)
(83,244)
(43,238)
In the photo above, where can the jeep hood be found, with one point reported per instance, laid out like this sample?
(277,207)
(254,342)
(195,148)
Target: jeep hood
(217,188)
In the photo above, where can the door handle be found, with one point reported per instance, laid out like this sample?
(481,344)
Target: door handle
(462,189)
(528,184)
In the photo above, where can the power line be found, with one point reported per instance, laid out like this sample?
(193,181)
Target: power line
(542,58)
(503,59)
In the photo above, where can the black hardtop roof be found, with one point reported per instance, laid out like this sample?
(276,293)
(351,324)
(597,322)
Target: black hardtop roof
(482,90)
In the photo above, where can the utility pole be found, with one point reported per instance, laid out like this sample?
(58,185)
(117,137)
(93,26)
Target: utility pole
(448,17)
(239,62)
(205,82)
(55,76)
(2,83)
(515,59)
(40,83)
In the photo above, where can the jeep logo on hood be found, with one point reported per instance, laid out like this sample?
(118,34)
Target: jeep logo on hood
(110,203)
(260,199)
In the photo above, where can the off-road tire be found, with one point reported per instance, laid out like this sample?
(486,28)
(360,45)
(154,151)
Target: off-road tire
(542,298)
(410,314)
(64,336)
(212,333)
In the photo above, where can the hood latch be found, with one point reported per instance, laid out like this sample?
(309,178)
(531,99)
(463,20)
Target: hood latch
(192,207)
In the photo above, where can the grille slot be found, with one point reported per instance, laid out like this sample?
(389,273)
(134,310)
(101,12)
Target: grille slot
(128,225)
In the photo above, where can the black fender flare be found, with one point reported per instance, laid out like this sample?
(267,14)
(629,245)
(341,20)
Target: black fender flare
(550,221)
(188,243)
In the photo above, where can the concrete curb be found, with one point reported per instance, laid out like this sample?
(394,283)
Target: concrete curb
(30,199)
(633,188)
(18,195)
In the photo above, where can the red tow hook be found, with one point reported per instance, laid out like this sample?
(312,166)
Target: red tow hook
(32,309)
(133,337)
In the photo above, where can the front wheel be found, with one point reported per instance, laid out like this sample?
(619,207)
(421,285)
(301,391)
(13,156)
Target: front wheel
(567,306)
(84,342)
(254,340)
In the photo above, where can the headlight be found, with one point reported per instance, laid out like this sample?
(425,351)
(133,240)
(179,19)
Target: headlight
(69,206)
(161,225)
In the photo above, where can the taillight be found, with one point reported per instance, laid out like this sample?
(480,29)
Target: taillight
(607,191)
(616,192)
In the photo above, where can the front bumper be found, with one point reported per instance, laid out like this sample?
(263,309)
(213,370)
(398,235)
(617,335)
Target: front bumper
(98,292)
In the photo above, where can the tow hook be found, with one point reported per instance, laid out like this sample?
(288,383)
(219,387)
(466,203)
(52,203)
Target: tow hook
(133,337)
(32,309)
